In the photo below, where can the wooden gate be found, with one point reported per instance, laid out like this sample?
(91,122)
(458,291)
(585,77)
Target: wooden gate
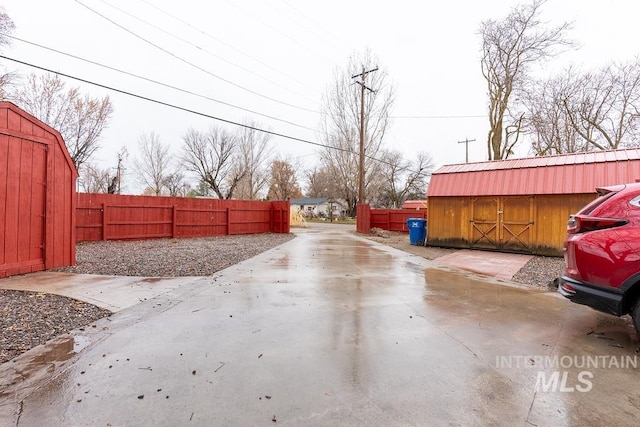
(22,205)
(502,223)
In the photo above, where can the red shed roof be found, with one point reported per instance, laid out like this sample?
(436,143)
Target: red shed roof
(566,174)
(18,123)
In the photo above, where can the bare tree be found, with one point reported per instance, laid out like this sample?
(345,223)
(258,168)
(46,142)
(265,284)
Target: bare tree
(94,179)
(6,27)
(509,48)
(320,183)
(253,157)
(575,112)
(341,126)
(605,109)
(153,166)
(404,179)
(115,185)
(210,155)
(79,119)
(284,181)
(548,121)
(176,184)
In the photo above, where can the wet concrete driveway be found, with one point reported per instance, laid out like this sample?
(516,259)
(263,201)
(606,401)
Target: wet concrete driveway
(332,329)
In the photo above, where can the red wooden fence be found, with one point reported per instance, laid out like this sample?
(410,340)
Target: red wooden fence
(387,219)
(118,217)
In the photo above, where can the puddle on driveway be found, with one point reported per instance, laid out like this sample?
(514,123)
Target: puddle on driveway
(21,376)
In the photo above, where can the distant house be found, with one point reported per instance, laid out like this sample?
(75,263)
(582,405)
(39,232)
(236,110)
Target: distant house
(520,205)
(316,206)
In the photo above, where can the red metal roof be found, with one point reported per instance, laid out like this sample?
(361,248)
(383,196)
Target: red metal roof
(566,174)
(414,204)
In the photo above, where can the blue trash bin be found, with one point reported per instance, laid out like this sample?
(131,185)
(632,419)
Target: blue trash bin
(417,231)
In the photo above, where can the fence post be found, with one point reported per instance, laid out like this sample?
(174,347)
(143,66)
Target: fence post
(174,221)
(271,227)
(388,220)
(104,221)
(228,221)
(277,221)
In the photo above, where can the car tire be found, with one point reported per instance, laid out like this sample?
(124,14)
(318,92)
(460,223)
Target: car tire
(635,315)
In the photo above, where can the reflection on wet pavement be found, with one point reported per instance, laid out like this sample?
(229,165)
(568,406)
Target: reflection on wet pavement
(335,329)
(17,380)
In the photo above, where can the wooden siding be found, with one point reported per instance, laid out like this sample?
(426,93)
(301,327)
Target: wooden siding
(22,205)
(394,219)
(529,224)
(449,219)
(36,195)
(386,219)
(119,217)
(552,213)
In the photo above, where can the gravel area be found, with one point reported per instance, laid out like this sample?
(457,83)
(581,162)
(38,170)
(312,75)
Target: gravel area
(28,319)
(170,257)
(540,272)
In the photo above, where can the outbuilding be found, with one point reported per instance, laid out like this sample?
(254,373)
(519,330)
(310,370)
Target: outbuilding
(37,195)
(520,205)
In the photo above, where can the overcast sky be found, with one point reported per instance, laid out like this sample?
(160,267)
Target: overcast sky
(276,58)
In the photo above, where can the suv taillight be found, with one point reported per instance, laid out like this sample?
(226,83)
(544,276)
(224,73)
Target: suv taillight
(582,223)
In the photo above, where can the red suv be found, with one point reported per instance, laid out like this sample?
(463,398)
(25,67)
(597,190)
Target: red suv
(602,253)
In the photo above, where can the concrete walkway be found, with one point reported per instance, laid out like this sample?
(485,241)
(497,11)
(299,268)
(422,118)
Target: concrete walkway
(330,329)
(495,264)
(114,293)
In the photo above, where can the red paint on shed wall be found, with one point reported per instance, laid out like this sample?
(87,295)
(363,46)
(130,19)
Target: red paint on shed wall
(37,195)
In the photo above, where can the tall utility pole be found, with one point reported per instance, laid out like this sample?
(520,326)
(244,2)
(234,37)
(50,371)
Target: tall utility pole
(466,143)
(363,88)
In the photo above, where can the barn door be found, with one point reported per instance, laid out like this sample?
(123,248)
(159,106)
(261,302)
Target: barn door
(22,205)
(516,221)
(484,222)
(502,223)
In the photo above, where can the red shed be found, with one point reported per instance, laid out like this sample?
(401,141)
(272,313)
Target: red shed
(520,205)
(37,195)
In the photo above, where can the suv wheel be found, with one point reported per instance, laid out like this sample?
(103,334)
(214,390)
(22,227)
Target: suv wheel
(635,315)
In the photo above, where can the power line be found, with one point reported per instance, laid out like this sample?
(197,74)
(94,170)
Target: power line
(157,82)
(190,63)
(177,107)
(341,42)
(183,40)
(266,24)
(306,28)
(198,113)
(182,21)
(466,143)
(363,88)
(440,117)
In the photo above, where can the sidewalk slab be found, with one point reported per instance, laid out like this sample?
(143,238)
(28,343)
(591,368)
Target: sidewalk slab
(113,293)
(495,264)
